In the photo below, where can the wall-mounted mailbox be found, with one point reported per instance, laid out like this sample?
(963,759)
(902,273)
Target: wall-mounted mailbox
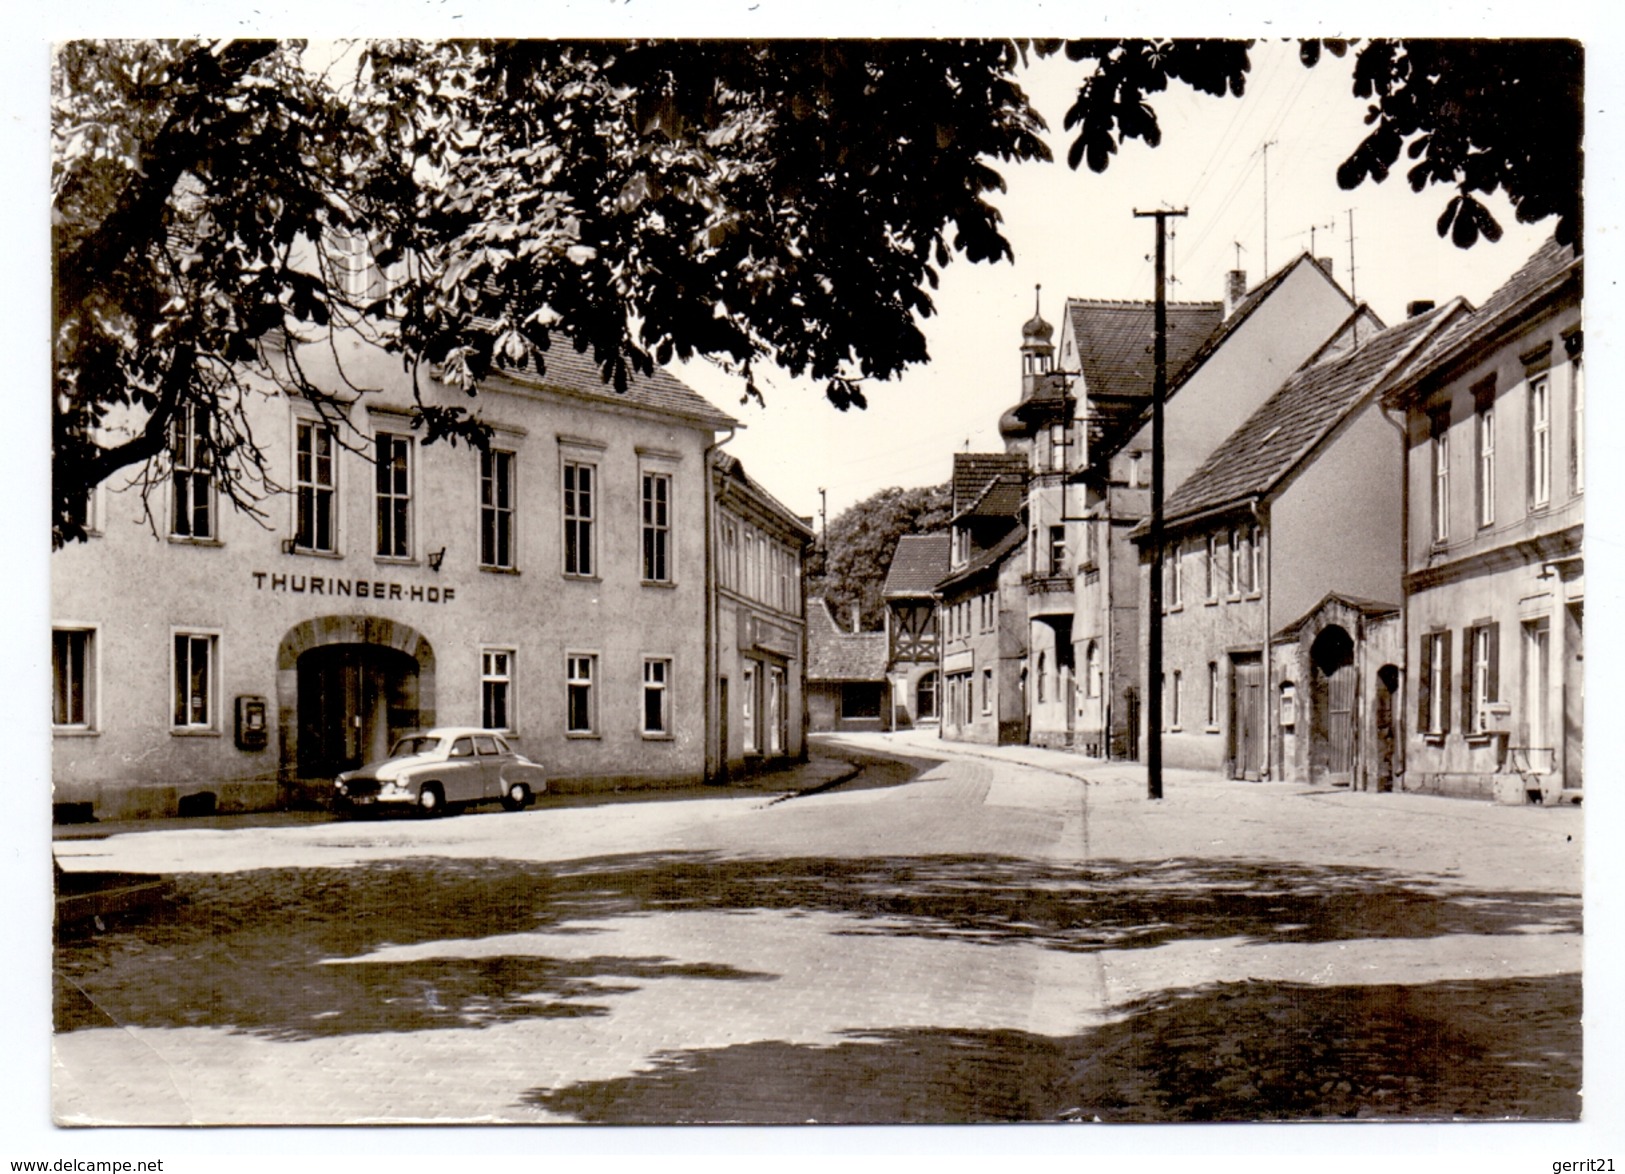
(1495,717)
(252,732)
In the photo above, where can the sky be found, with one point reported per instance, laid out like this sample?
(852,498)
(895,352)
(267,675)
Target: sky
(1074,234)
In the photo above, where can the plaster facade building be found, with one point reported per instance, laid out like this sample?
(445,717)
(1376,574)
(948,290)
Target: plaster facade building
(1290,524)
(986,656)
(555,586)
(759,703)
(1494,584)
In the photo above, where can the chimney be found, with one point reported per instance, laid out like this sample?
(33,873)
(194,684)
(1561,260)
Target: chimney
(855,628)
(1417,308)
(1325,264)
(1235,288)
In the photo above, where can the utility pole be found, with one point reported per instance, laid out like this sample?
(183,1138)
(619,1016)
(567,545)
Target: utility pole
(823,518)
(1351,255)
(1159,392)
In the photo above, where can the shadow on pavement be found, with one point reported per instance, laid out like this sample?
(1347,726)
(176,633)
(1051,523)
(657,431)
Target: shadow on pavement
(251,950)
(1248,1051)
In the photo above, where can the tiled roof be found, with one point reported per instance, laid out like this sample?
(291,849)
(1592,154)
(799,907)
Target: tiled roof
(834,655)
(1254,458)
(973,471)
(990,557)
(1551,265)
(1114,341)
(916,565)
(572,371)
(1116,428)
(1244,308)
(1003,497)
(1370,608)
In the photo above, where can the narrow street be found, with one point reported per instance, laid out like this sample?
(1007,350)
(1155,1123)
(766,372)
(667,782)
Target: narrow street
(998,935)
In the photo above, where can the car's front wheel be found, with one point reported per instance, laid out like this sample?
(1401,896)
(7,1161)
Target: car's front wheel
(517,797)
(430,800)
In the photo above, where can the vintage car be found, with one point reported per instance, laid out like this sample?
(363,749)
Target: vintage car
(439,769)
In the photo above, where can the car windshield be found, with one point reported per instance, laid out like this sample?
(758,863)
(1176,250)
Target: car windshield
(414,744)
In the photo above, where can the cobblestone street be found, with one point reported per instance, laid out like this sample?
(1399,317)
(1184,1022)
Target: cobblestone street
(1008,935)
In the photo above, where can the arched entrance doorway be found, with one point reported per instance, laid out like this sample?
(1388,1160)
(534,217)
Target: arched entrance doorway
(347,686)
(1331,730)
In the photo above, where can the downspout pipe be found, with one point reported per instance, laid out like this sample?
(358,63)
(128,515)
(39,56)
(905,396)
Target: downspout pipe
(714,753)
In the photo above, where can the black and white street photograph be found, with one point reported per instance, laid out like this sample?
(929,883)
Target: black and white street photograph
(915,578)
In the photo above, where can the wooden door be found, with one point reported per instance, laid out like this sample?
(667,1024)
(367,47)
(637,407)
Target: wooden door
(1248,718)
(1339,754)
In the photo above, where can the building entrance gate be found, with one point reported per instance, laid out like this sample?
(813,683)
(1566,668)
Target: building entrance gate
(354,701)
(1332,732)
(346,686)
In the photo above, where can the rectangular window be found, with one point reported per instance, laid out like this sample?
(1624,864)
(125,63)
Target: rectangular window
(1176,578)
(1540,441)
(987,690)
(581,707)
(496,509)
(748,708)
(496,688)
(656,695)
(1210,570)
(1057,447)
(1212,694)
(730,554)
(1257,568)
(1484,429)
(313,478)
(1235,561)
(1577,424)
(1057,550)
(1433,704)
(656,528)
(578,518)
(1481,675)
(194,682)
(73,678)
(192,515)
(1176,699)
(1441,477)
(394,485)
